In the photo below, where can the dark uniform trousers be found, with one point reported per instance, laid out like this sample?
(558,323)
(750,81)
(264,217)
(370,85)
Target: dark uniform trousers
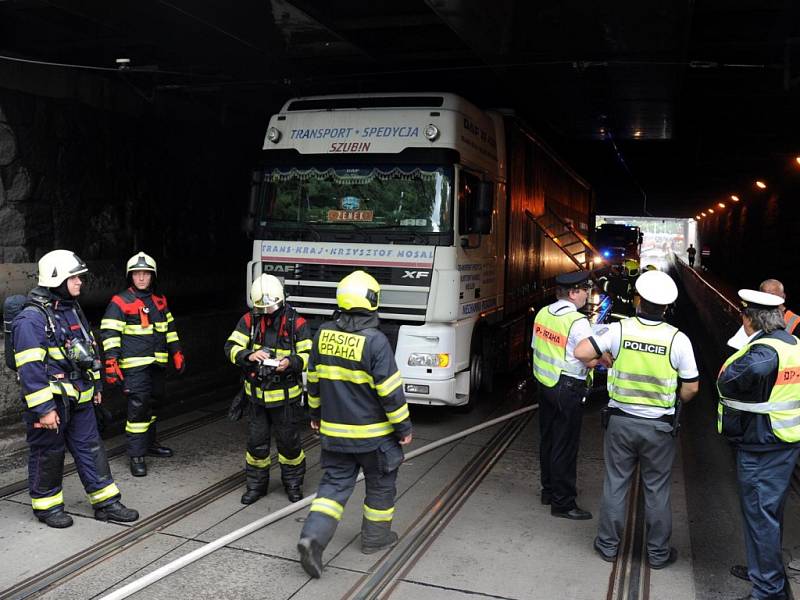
(340,471)
(560,416)
(764,479)
(78,432)
(283,421)
(144,388)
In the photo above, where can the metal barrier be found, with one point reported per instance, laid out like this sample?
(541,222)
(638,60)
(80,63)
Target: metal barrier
(720,316)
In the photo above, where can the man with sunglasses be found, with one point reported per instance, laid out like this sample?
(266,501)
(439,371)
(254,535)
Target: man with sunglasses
(557,329)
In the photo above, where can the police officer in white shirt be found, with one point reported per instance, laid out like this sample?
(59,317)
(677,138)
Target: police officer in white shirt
(562,384)
(653,362)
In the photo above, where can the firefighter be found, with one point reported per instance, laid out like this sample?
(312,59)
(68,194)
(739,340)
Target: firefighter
(355,393)
(59,371)
(139,336)
(271,345)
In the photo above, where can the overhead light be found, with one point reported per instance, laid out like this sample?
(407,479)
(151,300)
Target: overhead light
(761,185)
(637,133)
(735,198)
(123,63)
(797,158)
(711,210)
(697,218)
(721,204)
(704,214)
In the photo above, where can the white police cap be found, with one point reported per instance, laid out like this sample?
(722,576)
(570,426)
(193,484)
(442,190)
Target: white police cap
(762,300)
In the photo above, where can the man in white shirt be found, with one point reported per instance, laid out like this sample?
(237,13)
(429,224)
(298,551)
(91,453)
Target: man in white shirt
(653,362)
(557,329)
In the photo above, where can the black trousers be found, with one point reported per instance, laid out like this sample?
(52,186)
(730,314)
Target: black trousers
(144,388)
(691,261)
(78,432)
(284,422)
(338,480)
(560,415)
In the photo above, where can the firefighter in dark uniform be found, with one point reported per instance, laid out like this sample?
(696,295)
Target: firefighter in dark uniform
(355,393)
(139,336)
(59,371)
(759,412)
(271,345)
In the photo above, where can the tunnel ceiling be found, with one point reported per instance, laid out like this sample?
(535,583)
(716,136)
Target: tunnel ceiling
(681,103)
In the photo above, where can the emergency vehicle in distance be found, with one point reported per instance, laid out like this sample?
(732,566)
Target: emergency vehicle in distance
(428,194)
(617,242)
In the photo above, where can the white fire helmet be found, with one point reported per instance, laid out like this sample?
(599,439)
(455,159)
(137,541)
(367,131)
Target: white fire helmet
(141,262)
(657,287)
(266,293)
(59,265)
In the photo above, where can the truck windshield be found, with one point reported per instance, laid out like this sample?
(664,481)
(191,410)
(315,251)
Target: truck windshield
(413,198)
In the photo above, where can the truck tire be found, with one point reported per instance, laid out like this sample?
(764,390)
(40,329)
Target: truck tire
(475,372)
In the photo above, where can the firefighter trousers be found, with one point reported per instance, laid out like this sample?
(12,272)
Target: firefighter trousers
(338,480)
(78,432)
(284,423)
(144,389)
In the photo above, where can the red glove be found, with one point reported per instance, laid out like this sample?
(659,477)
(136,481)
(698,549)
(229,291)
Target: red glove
(113,372)
(179,361)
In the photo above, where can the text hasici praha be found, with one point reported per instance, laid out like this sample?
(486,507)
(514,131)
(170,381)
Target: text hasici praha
(341,345)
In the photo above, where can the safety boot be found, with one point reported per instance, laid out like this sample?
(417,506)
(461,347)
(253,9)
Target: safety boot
(57,519)
(156,449)
(310,556)
(116,511)
(376,536)
(138,466)
(251,495)
(294,493)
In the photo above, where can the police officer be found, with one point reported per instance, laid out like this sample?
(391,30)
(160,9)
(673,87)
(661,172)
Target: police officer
(58,366)
(139,335)
(356,395)
(271,345)
(761,418)
(652,361)
(557,329)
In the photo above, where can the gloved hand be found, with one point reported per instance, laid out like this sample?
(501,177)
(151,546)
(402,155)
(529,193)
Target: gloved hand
(179,362)
(113,374)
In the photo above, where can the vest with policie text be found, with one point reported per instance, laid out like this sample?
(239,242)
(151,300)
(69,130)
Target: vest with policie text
(643,373)
(550,334)
(783,404)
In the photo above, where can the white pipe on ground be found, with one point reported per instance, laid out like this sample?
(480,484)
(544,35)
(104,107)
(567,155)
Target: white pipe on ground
(179,563)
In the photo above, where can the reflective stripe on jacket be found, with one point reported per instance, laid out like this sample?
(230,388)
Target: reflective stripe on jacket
(783,404)
(138,329)
(354,386)
(44,371)
(643,373)
(550,334)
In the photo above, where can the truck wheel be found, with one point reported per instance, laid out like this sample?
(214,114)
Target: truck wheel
(475,375)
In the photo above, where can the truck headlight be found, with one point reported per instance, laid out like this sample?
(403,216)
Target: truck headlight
(418,359)
(274,135)
(431,132)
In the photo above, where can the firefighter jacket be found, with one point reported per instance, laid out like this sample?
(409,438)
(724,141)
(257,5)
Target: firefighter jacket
(139,330)
(759,408)
(355,390)
(273,334)
(42,353)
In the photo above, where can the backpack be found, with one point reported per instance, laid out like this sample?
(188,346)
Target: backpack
(12,306)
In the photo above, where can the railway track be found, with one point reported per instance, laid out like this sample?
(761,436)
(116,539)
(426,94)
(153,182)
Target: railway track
(105,549)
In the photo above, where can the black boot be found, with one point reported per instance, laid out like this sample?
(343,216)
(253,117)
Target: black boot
(138,466)
(376,536)
(310,557)
(294,493)
(156,449)
(116,511)
(57,519)
(251,496)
